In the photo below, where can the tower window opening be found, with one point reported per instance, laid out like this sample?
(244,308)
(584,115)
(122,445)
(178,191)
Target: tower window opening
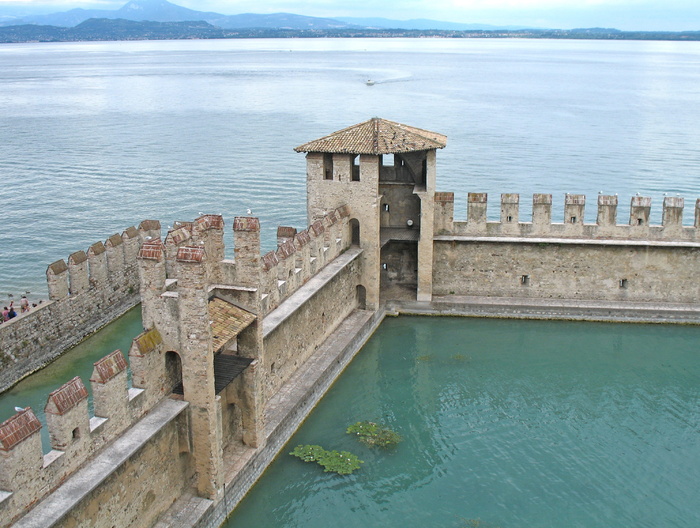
(509,218)
(386,207)
(355,169)
(525,280)
(573,219)
(76,433)
(623,284)
(640,221)
(328,166)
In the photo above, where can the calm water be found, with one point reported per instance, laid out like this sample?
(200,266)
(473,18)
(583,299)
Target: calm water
(506,424)
(96,136)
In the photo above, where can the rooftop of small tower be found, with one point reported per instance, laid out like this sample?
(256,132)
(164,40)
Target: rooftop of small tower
(376,136)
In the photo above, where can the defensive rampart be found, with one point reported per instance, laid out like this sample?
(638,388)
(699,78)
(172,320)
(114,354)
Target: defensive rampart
(129,431)
(141,451)
(604,261)
(89,291)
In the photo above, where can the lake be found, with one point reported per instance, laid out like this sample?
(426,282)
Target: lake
(95,137)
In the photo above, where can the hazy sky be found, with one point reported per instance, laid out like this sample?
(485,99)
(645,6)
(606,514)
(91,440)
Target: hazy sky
(671,15)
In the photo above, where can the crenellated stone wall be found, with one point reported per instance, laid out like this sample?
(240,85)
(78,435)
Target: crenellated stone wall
(604,261)
(89,291)
(27,475)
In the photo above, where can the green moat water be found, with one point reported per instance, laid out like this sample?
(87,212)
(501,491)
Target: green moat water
(34,390)
(505,424)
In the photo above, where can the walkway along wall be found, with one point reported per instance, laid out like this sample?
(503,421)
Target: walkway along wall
(570,260)
(89,291)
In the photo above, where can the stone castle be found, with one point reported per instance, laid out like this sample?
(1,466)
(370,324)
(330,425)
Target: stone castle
(235,353)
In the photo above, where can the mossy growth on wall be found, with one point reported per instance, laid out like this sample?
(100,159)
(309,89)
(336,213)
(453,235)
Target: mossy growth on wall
(340,462)
(372,434)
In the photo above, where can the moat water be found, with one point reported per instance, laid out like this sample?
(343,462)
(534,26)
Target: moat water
(95,137)
(34,390)
(505,424)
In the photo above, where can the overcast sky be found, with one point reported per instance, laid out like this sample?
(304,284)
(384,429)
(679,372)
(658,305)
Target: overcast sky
(672,15)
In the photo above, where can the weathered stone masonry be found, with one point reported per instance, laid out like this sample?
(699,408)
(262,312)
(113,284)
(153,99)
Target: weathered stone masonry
(88,292)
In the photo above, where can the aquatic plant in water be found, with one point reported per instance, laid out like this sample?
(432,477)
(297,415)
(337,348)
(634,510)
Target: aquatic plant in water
(372,434)
(341,462)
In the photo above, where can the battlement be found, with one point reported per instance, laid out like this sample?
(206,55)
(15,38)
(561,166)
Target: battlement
(87,290)
(27,474)
(638,226)
(274,275)
(103,262)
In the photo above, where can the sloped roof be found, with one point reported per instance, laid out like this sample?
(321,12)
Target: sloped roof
(228,321)
(376,136)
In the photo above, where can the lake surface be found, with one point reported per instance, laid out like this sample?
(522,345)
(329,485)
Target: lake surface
(505,424)
(95,137)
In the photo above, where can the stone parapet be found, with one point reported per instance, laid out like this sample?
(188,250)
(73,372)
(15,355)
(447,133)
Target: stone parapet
(573,225)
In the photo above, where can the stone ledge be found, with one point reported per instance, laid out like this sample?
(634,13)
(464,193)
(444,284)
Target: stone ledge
(567,241)
(58,504)
(277,316)
(565,309)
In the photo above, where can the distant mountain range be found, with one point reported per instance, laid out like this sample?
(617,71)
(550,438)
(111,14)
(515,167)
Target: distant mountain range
(160,19)
(164,11)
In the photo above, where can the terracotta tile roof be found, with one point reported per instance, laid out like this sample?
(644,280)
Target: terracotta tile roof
(444,197)
(376,136)
(178,236)
(115,240)
(210,222)
(286,232)
(607,200)
(15,429)
(77,258)
(674,201)
(148,341)
(97,249)
(58,267)
(331,218)
(246,223)
(190,254)
(477,197)
(228,321)
(286,250)
(302,238)
(131,232)
(270,260)
(152,250)
(343,211)
(66,397)
(317,227)
(108,367)
(641,201)
(149,225)
(578,199)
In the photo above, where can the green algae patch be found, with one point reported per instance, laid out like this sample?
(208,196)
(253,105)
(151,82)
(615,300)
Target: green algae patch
(372,434)
(341,462)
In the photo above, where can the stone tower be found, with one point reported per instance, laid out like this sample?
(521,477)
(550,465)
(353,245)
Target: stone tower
(385,172)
